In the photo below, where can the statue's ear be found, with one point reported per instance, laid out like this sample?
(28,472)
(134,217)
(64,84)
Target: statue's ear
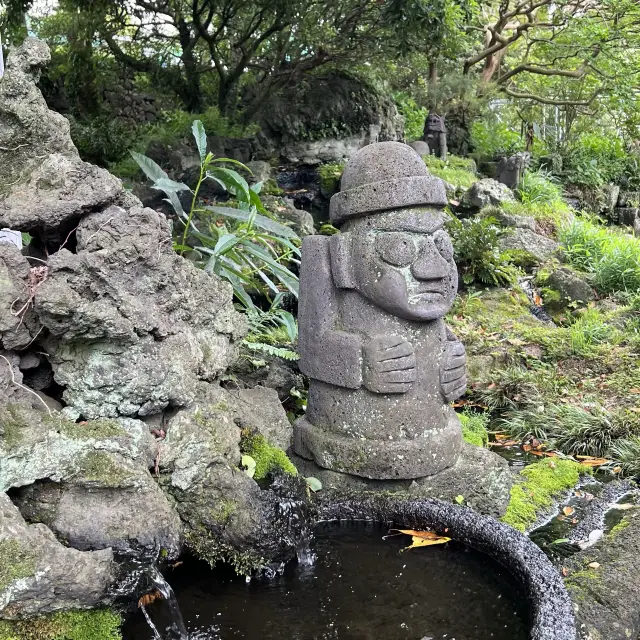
(339,246)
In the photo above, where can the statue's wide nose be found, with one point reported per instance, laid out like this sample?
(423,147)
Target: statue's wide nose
(429,265)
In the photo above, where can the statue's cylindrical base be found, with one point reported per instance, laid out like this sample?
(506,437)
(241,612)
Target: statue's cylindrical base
(401,459)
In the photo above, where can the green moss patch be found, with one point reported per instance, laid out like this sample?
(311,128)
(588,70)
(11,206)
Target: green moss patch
(100,467)
(16,561)
(330,175)
(99,624)
(14,420)
(474,428)
(268,458)
(540,483)
(210,547)
(96,429)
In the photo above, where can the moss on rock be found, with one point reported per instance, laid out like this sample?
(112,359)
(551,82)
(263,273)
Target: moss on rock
(330,175)
(100,467)
(96,429)
(98,624)
(540,483)
(16,561)
(268,458)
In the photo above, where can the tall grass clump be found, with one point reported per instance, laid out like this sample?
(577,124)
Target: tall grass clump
(539,187)
(613,257)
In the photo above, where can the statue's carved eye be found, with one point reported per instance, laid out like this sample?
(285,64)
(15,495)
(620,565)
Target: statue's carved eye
(396,248)
(443,243)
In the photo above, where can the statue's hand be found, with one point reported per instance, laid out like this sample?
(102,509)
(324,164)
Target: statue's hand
(453,374)
(389,364)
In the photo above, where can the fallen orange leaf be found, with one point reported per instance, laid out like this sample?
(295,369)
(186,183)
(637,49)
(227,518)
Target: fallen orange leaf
(420,538)
(568,511)
(148,598)
(594,462)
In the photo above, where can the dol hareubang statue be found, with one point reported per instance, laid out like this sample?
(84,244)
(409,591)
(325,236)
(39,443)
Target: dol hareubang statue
(383,365)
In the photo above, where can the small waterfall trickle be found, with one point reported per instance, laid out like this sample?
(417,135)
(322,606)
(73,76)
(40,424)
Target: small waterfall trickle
(145,613)
(294,513)
(176,630)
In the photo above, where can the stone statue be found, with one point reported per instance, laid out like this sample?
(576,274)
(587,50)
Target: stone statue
(383,365)
(509,170)
(435,135)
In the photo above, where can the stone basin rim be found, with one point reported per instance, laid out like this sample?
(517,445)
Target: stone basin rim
(550,606)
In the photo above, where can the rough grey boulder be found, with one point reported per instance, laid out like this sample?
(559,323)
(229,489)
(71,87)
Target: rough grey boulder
(570,285)
(28,129)
(18,322)
(131,515)
(225,513)
(285,210)
(276,373)
(40,575)
(88,482)
(43,182)
(604,584)
(538,246)
(60,190)
(486,192)
(260,171)
(135,325)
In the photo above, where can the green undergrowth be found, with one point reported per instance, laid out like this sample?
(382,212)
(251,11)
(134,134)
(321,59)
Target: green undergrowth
(267,457)
(611,255)
(460,172)
(575,387)
(474,427)
(540,483)
(98,624)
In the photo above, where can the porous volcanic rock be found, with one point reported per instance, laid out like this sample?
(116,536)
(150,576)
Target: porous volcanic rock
(135,325)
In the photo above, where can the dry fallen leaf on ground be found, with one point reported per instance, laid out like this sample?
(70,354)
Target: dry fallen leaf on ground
(568,511)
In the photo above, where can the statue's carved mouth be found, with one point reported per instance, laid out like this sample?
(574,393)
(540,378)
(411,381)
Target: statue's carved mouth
(429,286)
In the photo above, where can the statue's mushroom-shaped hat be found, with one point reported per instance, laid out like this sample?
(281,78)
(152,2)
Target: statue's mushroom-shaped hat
(385,176)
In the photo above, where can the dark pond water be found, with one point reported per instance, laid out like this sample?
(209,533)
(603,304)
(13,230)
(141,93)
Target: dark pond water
(360,588)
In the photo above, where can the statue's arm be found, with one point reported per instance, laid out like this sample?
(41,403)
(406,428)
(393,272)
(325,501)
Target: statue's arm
(326,353)
(453,373)
(336,358)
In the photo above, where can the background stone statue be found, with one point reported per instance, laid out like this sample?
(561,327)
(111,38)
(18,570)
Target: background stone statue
(510,170)
(382,363)
(435,135)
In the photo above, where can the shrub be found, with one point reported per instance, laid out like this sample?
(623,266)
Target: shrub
(539,187)
(596,159)
(103,140)
(460,172)
(414,116)
(613,257)
(247,248)
(478,256)
(568,428)
(494,139)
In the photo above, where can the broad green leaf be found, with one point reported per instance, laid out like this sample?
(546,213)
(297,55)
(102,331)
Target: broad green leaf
(166,184)
(232,161)
(149,167)
(225,243)
(314,484)
(200,136)
(260,221)
(249,465)
(233,181)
